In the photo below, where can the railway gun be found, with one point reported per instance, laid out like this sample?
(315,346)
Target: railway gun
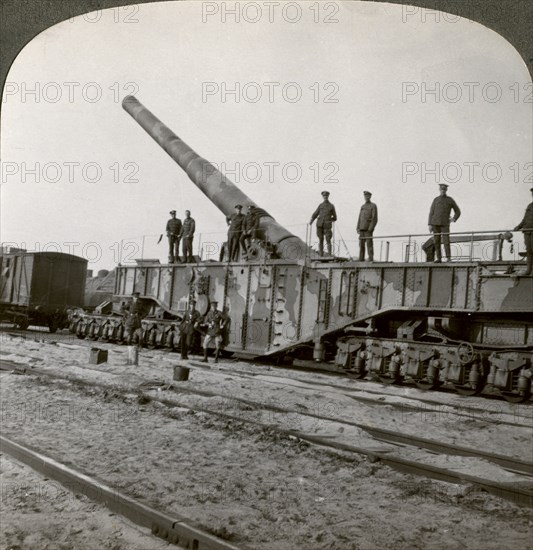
(466,324)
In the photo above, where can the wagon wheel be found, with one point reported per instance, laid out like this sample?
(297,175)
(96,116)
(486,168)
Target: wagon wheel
(511,397)
(169,340)
(52,326)
(425,385)
(105,336)
(23,324)
(357,375)
(514,395)
(151,339)
(468,391)
(80,330)
(390,379)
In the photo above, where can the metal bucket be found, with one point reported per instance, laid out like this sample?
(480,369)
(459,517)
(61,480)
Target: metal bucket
(181,374)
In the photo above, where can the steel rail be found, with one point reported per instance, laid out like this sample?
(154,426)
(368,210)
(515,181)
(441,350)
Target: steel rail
(515,492)
(176,530)
(329,370)
(507,462)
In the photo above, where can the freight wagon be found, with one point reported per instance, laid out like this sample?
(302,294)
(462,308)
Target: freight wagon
(38,288)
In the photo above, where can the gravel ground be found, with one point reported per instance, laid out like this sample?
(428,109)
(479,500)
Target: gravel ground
(246,484)
(38,513)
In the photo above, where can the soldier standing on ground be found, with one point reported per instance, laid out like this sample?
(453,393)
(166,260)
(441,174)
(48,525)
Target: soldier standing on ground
(173,233)
(188,326)
(132,323)
(215,325)
(439,221)
(368,219)
(235,222)
(187,234)
(526,226)
(324,215)
(250,227)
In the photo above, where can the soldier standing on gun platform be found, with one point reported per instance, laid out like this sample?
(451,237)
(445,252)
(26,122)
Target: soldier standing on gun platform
(368,219)
(188,326)
(173,233)
(187,234)
(439,221)
(526,226)
(215,324)
(250,227)
(235,222)
(324,215)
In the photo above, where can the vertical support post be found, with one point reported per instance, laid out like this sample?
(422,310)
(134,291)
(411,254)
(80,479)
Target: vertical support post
(471,246)
(133,355)
(408,250)
(387,249)
(142,248)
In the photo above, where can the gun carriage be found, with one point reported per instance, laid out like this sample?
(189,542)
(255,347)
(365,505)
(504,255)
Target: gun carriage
(466,324)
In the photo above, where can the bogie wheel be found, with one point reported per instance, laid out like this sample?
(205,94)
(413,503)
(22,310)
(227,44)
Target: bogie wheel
(52,327)
(390,379)
(514,394)
(24,324)
(468,391)
(151,339)
(426,386)
(357,375)
(516,397)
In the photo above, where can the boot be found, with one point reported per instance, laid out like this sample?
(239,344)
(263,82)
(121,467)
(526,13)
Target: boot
(216,356)
(204,360)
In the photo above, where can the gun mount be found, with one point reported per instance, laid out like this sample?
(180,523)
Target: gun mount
(215,186)
(464,325)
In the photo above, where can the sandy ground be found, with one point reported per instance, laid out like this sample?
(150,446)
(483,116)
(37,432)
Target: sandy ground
(248,484)
(38,513)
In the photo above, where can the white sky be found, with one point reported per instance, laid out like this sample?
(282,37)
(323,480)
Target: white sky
(166,51)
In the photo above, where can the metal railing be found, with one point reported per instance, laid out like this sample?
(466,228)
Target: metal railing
(408,247)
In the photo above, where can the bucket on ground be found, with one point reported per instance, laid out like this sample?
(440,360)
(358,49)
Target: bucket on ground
(181,374)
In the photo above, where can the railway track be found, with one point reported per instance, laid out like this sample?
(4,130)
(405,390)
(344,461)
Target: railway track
(406,405)
(297,366)
(175,530)
(471,410)
(388,451)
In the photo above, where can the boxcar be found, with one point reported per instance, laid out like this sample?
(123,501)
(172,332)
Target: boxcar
(38,288)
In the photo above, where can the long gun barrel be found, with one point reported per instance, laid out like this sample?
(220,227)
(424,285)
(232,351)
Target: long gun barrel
(221,191)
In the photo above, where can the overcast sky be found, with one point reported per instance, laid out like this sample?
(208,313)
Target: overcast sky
(365,117)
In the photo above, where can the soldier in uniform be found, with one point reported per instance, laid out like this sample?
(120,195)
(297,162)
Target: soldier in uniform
(235,222)
(173,233)
(132,323)
(439,221)
(368,218)
(188,327)
(187,234)
(526,226)
(250,227)
(324,215)
(214,323)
